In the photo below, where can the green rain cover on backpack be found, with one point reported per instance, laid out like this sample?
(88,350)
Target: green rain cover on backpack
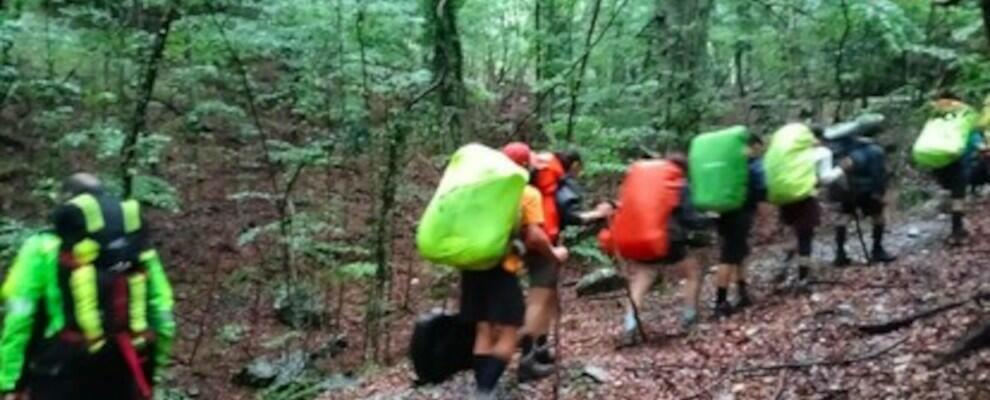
(790,165)
(943,140)
(469,221)
(719,169)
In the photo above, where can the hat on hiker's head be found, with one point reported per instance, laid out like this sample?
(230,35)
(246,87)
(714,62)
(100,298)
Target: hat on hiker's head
(80,183)
(519,153)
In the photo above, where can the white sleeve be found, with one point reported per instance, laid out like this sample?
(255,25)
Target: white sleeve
(827,172)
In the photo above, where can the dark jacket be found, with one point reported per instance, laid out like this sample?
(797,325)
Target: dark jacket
(756,190)
(869,174)
(686,219)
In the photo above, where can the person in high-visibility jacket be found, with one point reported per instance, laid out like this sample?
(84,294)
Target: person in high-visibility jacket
(88,306)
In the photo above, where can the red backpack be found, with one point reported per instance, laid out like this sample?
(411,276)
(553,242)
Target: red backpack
(650,193)
(547,179)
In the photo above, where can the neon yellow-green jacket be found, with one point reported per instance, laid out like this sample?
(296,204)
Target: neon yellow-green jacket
(31,296)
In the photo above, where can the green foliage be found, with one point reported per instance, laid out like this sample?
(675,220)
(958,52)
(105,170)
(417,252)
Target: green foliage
(156,192)
(12,235)
(355,271)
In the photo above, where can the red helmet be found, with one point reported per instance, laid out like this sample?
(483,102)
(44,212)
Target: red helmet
(518,152)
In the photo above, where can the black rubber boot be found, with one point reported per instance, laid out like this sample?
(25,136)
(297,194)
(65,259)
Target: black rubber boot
(841,259)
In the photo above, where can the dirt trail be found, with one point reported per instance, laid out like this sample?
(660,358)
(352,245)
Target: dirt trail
(726,359)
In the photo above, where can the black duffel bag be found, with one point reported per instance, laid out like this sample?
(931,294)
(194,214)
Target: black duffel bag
(441,346)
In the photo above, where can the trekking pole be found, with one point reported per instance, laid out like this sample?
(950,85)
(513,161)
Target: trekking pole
(862,242)
(557,338)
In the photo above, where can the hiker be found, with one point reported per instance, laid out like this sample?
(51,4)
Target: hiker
(796,165)
(864,190)
(493,298)
(952,157)
(554,177)
(89,307)
(649,229)
(734,229)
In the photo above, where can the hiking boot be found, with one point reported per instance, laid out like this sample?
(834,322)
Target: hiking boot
(744,302)
(841,260)
(689,319)
(882,257)
(958,238)
(480,395)
(544,354)
(531,370)
(723,310)
(630,337)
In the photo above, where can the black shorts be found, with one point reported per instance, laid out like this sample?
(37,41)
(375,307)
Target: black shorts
(954,178)
(804,215)
(677,253)
(863,203)
(543,273)
(492,296)
(733,231)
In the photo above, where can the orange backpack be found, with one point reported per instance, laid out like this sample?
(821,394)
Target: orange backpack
(547,179)
(648,197)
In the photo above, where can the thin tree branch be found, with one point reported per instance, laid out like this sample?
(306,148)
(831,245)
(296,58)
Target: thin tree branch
(147,88)
(823,363)
(579,80)
(570,68)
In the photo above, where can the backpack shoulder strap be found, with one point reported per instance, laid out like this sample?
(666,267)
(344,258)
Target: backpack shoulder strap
(91,211)
(132,215)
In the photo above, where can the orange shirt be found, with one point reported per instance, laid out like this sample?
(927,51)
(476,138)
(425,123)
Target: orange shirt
(531,207)
(530,213)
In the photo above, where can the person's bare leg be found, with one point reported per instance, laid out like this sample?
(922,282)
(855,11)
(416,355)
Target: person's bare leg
(539,312)
(484,343)
(506,338)
(691,270)
(641,278)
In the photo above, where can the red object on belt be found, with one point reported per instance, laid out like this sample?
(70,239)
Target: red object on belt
(134,364)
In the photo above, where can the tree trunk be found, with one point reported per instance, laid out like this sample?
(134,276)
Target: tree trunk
(146,90)
(840,59)
(683,41)
(579,79)
(985,6)
(448,63)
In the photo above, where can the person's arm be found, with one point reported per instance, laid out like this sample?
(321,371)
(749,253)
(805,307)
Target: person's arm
(602,211)
(826,171)
(533,235)
(160,306)
(537,240)
(22,291)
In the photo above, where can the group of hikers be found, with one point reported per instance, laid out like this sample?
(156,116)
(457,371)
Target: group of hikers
(498,216)
(88,306)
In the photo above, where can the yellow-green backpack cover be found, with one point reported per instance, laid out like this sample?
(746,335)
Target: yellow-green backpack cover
(470,220)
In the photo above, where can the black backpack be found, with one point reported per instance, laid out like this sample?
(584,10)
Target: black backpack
(442,345)
(568,198)
(869,174)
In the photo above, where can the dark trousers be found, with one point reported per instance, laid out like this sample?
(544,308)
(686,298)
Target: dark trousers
(101,376)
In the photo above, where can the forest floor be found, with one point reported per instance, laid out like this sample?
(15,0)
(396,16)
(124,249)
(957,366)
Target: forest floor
(787,346)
